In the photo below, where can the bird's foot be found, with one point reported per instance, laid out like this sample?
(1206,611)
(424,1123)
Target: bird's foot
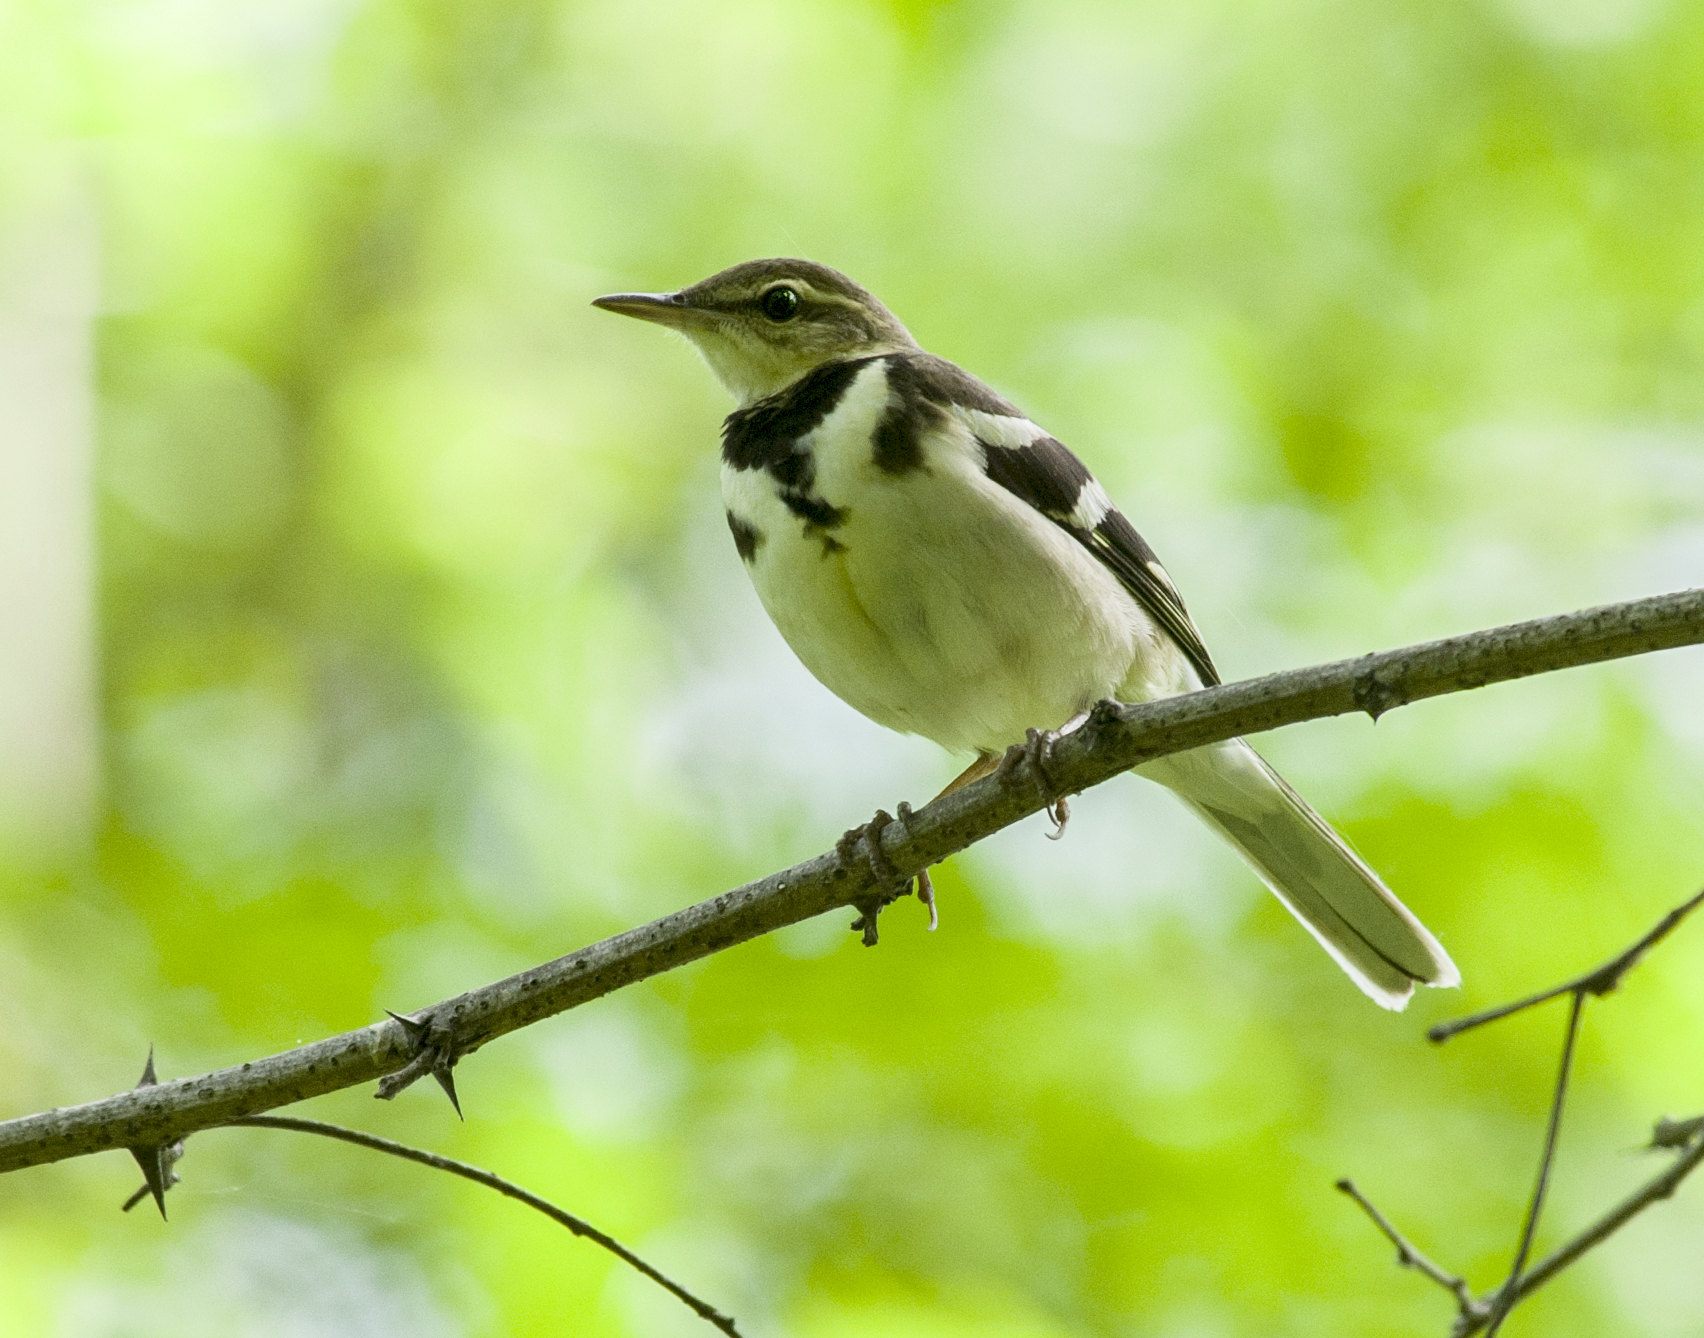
(881,868)
(1059,814)
(890,883)
(1035,753)
(871,835)
(925,885)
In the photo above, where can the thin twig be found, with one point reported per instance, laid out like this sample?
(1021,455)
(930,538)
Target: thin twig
(1411,1256)
(1114,739)
(579,1226)
(1600,980)
(1653,1191)
(1670,1134)
(1474,1312)
(1509,1292)
(1489,1312)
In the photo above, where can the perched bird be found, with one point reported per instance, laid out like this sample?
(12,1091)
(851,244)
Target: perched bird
(947,568)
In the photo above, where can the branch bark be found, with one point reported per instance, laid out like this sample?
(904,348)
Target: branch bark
(1114,739)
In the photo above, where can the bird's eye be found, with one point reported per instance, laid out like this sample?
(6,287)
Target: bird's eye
(780,304)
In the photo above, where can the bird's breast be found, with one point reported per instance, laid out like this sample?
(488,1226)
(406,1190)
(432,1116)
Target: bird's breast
(917,590)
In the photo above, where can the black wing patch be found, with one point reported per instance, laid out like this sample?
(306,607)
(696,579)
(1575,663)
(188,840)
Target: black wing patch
(945,383)
(1046,475)
(1052,480)
(1126,553)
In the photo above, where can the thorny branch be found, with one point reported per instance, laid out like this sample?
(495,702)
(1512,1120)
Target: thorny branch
(1683,1136)
(1113,739)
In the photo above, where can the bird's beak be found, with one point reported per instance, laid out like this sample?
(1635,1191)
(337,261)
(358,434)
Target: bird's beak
(663,308)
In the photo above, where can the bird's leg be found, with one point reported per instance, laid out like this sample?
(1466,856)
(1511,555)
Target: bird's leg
(891,884)
(925,886)
(1059,810)
(986,764)
(871,834)
(1037,751)
(881,867)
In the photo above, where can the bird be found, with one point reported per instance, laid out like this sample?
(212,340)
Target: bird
(948,568)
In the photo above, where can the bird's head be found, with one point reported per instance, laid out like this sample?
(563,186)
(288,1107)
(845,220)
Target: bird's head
(764,324)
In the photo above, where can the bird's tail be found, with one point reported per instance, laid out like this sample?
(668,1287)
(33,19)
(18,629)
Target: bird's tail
(1358,920)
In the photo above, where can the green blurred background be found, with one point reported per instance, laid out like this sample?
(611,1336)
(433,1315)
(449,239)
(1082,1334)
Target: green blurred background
(369,629)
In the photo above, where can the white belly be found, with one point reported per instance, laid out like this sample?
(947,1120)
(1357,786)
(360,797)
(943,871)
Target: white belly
(943,606)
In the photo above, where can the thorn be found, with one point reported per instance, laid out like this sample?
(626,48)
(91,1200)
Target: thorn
(445,1074)
(416,1030)
(1375,697)
(434,1052)
(156,1163)
(156,1160)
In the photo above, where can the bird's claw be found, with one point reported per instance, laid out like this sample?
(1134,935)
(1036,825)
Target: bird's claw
(871,835)
(1059,813)
(925,885)
(1036,753)
(881,868)
(890,882)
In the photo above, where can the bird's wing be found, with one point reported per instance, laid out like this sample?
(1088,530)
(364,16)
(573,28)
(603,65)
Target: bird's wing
(1041,471)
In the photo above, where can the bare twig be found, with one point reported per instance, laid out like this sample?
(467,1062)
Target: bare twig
(1411,1256)
(1509,1292)
(1687,1136)
(1472,1312)
(1598,981)
(1670,1134)
(1113,739)
(1653,1191)
(579,1226)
